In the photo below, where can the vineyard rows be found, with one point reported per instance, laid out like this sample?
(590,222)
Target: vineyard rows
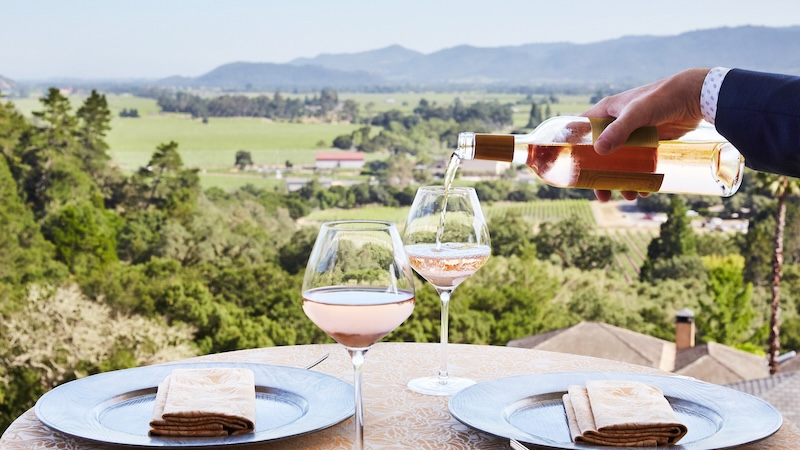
(635,242)
(545,210)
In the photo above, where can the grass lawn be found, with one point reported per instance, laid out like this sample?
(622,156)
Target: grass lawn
(232,182)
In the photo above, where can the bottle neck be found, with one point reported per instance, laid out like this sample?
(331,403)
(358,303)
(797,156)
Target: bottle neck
(493,147)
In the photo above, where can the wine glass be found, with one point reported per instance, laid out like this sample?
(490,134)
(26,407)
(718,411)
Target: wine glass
(358,287)
(446,240)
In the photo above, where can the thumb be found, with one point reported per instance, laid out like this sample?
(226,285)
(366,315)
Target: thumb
(613,137)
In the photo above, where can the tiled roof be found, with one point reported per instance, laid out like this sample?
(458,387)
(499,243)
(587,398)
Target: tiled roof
(604,341)
(715,363)
(781,390)
(720,364)
(341,156)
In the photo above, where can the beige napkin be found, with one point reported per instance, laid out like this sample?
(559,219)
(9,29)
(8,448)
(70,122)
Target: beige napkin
(621,413)
(205,402)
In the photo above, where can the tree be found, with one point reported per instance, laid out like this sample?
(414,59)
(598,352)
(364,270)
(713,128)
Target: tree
(83,337)
(572,243)
(57,121)
(293,256)
(47,168)
(399,172)
(780,186)
(511,235)
(675,239)
(165,160)
(12,127)
(535,116)
(727,317)
(84,236)
(132,113)
(243,159)
(94,121)
(26,256)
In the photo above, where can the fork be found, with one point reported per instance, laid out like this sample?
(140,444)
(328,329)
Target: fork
(516,445)
(323,358)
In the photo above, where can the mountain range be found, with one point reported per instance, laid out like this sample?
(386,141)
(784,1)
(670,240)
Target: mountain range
(633,59)
(630,60)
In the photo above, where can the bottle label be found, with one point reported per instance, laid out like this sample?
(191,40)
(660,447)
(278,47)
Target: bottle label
(640,137)
(619,181)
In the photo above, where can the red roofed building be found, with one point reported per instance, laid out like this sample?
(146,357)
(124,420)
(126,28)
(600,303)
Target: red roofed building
(340,160)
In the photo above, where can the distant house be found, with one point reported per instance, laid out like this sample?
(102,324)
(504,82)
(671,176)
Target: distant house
(339,160)
(712,362)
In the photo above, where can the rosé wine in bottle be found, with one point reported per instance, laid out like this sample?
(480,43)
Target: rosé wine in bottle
(561,153)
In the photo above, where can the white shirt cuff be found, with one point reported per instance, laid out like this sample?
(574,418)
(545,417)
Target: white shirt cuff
(710,93)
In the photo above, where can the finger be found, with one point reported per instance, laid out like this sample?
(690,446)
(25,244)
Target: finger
(613,137)
(629,195)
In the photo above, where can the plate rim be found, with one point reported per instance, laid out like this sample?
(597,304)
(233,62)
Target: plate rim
(775,421)
(153,374)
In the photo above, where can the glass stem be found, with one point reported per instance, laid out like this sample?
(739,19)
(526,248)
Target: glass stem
(357,355)
(443,375)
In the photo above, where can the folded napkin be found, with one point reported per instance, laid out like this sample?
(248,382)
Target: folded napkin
(205,402)
(621,413)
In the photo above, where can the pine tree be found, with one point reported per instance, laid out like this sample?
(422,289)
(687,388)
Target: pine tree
(535,116)
(94,121)
(49,168)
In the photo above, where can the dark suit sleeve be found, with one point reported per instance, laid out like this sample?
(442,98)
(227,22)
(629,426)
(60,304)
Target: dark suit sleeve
(759,113)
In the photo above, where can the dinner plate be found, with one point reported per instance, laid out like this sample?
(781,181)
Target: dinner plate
(529,408)
(116,407)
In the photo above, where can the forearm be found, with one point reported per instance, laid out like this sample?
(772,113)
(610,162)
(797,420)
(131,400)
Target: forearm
(759,113)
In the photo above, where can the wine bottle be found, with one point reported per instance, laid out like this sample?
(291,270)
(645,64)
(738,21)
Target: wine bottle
(561,153)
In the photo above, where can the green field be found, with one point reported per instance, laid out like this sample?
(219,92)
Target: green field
(232,182)
(205,145)
(212,146)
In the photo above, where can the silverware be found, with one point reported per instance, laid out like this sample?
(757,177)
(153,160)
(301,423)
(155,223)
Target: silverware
(516,445)
(322,358)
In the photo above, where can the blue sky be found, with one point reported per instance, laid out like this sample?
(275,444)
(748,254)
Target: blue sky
(158,38)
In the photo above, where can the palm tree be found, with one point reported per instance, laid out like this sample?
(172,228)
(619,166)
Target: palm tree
(780,186)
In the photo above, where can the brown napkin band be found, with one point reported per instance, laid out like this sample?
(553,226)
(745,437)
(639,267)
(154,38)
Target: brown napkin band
(621,413)
(205,402)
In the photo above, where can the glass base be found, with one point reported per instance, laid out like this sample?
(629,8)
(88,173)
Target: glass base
(434,386)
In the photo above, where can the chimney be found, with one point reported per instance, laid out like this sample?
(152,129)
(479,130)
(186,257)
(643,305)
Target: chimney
(684,329)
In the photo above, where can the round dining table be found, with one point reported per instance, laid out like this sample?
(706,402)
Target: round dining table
(395,417)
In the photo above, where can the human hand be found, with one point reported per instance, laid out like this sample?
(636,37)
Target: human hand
(672,105)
